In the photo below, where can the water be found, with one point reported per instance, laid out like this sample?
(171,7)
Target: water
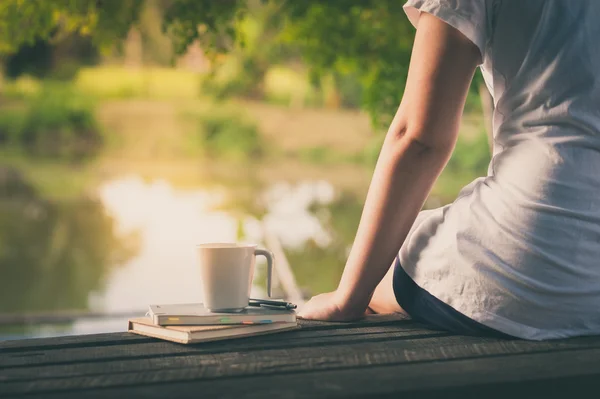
(130,241)
(171,222)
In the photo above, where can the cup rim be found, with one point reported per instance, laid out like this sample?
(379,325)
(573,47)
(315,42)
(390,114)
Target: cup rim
(225,245)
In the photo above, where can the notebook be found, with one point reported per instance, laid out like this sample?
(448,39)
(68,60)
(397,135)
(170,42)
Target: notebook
(195,334)
(197,314)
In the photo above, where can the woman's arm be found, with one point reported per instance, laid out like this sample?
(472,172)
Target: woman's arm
(417,146)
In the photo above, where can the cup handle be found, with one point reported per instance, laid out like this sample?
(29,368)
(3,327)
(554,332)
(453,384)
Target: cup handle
(269,256)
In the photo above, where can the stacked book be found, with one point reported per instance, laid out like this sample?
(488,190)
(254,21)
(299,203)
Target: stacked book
(193,323)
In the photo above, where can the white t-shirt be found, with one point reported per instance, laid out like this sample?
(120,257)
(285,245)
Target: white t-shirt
(519,250)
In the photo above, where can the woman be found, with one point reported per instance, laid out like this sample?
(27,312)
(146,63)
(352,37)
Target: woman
(518,252)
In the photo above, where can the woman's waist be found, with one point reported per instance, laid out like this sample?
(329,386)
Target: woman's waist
(531,232)
(548,177)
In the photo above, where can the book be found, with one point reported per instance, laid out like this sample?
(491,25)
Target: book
(197,314)
(195,334)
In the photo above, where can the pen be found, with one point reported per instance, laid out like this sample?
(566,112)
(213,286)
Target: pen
(271,303)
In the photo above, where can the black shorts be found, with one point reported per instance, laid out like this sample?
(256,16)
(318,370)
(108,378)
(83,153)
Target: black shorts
(427,309)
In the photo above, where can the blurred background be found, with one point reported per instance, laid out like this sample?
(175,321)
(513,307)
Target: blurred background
(124,144)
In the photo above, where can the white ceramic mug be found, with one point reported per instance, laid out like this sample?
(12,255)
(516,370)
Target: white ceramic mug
(226,272)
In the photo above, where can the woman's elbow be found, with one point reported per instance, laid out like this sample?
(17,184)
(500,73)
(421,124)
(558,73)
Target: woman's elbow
(422,141)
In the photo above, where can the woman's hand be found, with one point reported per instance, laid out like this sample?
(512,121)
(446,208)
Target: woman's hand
(329,307)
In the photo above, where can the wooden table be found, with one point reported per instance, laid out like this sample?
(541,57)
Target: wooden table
(382,356)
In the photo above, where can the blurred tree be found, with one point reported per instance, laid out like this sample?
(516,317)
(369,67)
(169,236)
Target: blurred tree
(23,22)
(257,48)
(370,39)
(34,60)
(45,59)
(157,48)
(58,121)
(53,254)
(54,37)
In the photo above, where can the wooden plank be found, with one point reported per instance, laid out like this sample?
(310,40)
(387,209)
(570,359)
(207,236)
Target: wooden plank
(71,341)
(414,343)
(379,343)
(179,359)
(158,348)
(101,345)
(282,267)
(116,338)
(284,361)
(12,319)
(547,375)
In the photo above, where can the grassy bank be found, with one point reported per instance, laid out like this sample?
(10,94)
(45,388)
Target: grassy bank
(54,121)
(157,116)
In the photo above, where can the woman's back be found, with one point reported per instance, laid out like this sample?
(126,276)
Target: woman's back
(519,250)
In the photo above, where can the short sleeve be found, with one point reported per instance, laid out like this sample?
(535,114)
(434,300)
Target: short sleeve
(467,16)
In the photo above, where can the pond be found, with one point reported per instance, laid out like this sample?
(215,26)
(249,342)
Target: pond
(129,240)
(105,237)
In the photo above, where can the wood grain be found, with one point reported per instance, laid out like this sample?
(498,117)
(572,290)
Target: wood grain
(377,356)
(547,375)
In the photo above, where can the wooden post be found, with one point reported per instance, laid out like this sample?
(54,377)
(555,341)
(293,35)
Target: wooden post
(282,269)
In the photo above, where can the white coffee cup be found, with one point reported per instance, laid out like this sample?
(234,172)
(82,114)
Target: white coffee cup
(226,272)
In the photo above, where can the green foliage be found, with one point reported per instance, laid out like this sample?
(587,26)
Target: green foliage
(471,156)
(157,48)
(289,87)
(370,40)
(211,23)
(232,79)
(349,88)
(57,121)
(265,64)
(227,134)
(473,101)
(11,126)
(257,50)
(45,59)
(32,60)
(19,88)
(23,22)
